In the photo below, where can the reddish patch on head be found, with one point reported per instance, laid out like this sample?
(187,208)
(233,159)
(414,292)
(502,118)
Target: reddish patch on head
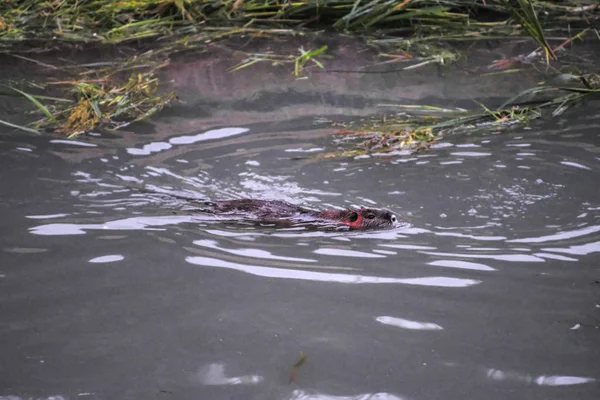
(356,223)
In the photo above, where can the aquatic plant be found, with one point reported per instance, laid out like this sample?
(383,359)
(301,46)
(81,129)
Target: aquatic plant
(418,126)
(107,101)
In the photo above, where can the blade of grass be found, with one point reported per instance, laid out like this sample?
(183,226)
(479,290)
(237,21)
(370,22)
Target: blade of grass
(37,96)
(23,128)
(36,102)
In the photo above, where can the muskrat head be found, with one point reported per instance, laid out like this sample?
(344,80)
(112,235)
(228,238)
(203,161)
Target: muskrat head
(368,218)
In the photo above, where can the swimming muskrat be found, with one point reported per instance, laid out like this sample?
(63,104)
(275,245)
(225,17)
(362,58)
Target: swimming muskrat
(281,212)
(285,214)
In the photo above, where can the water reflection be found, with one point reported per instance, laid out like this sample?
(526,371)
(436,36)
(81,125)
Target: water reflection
(462,265)
(408,324)
(134,223)
(540,380)
(107,259)
(55,397)
(249,252)
(267,272)
(214,375)
(559,236)
(304,395)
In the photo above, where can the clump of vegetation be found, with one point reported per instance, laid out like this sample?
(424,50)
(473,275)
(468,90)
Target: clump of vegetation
(418,126)
(412,29)
(109,101)
(115,106)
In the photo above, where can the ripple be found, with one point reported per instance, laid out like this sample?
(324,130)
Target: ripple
(346,253)
(554,257)
(218,232)
(246,252)
(300,150)
(267,272)
(408,324)
(576,165)
(559,236)
(149,148)
(474,237)
(541,380)
(450,162)
(462,265)
(74,143)
(48,216)
(208,135)
(214,375)
(107,259)
(408,246)
(470,154)
(501,257)
(303,395)
(134,223)
(582,249)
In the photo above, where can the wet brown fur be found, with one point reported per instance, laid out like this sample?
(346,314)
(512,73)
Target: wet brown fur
(277,211)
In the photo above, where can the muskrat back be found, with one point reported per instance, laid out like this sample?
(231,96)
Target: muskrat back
(281,211)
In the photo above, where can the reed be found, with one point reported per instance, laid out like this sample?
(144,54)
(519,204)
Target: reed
(97,95)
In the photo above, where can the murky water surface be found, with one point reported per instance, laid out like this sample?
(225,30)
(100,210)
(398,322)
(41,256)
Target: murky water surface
(491,291)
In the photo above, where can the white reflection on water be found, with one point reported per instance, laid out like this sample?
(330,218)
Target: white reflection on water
(246,252)
(49,216)
(408,246)
(300,150)
(541,380)
(408,324)
(346,253)
(134,223)
(470,154)
(156,147)
(107,259)
(73,143)
(438,281)
(554,257)
(388,234)
(303,395)
(559,236)
(501,257)
(9,397)
(574,164)
(208,135)
(581,249)
(237,233)
(149,148)
(474,237)
(214,375)
(462,265)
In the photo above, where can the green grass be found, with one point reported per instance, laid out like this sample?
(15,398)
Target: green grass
(107,102)
(94,97)
(191,21)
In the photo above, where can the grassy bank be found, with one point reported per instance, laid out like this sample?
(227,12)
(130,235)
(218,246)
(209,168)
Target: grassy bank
(113,95)
(182,23)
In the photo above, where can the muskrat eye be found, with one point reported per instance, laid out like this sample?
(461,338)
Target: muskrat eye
(394,219)
(371,216)
(353,217)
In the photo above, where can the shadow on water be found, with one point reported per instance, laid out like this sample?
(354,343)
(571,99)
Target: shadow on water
(490,292)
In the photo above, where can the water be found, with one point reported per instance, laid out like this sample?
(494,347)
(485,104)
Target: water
(490,292)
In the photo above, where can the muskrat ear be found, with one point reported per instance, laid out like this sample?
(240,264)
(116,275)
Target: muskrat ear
(353,216)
